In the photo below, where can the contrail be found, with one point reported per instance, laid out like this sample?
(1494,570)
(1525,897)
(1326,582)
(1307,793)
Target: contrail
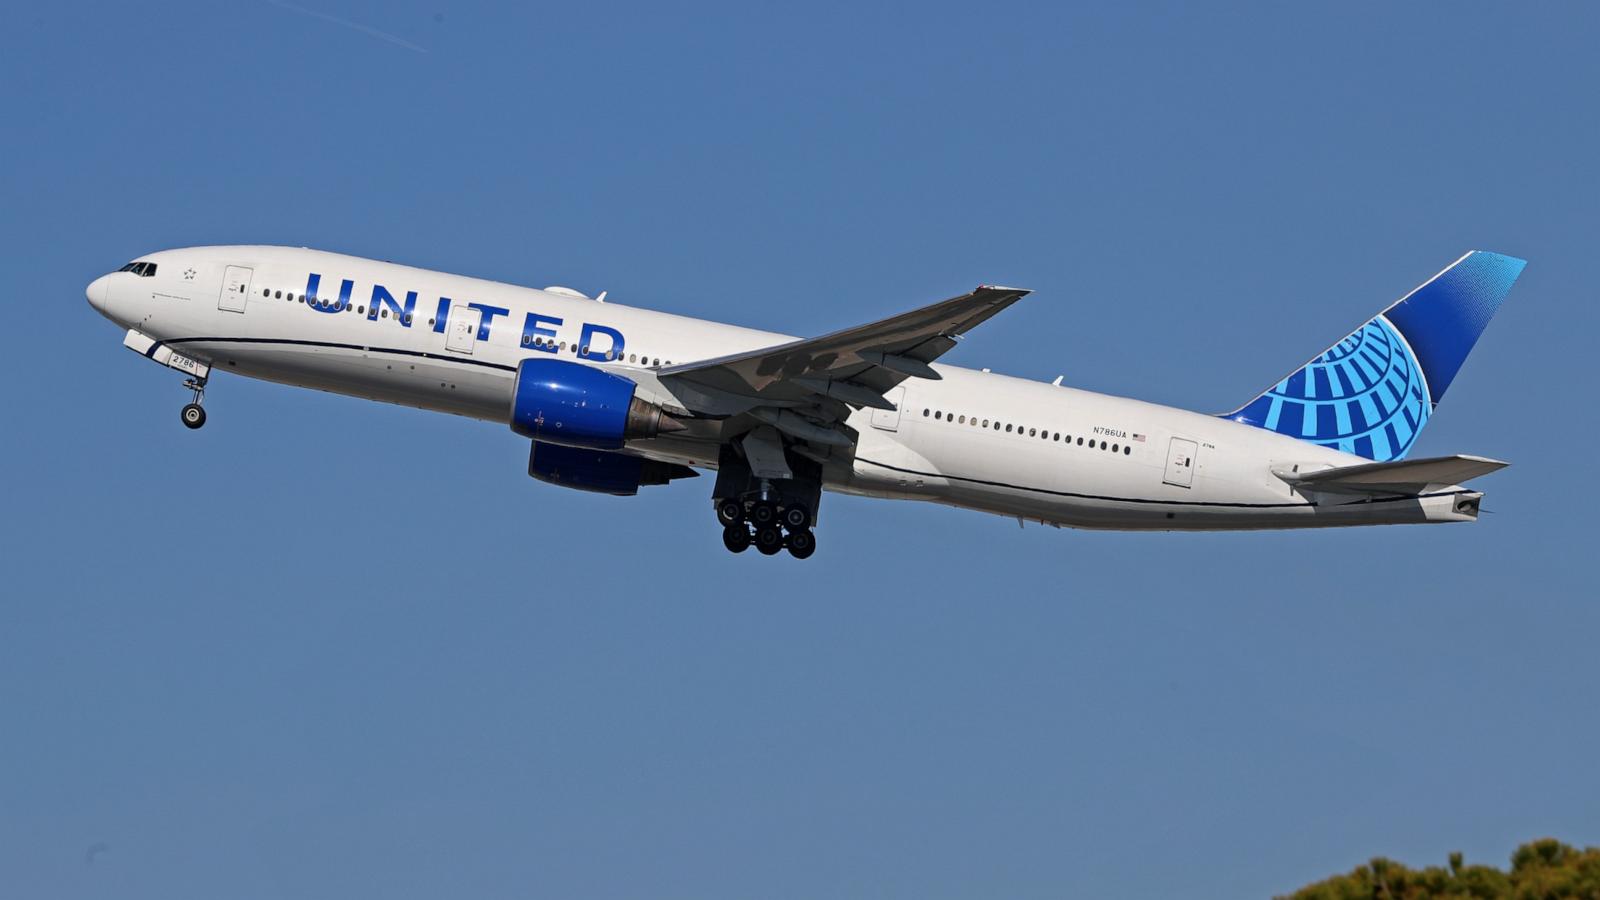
(364,29)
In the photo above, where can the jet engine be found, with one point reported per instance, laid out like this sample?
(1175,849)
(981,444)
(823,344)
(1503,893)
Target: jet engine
(598,471)
(566,403)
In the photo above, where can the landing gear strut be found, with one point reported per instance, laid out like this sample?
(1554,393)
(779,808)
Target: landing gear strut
(194,414)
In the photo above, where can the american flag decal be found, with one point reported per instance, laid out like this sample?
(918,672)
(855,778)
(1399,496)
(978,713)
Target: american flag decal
(1138,437)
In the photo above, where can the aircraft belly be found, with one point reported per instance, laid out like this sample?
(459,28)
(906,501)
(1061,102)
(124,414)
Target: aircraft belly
(476,392)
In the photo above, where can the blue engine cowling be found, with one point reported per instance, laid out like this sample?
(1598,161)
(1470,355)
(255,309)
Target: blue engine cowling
(598,471)
(559,402)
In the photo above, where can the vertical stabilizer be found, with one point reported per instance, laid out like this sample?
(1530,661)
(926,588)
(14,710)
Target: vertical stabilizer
(1371,393)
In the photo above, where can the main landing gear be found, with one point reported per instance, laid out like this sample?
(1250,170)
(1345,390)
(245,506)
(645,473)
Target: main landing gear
(768,525)
(773,514)
(194,414)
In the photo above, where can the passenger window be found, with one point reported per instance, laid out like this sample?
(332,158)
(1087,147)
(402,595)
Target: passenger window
(937,414)
(1080,442)
(1032,432)
(1113,448)
(266,292)
(963,420)
(280,295)
(926,412)
(1127,451)
(1008,429)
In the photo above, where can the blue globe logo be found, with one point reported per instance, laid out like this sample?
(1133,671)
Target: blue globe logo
(1366,395)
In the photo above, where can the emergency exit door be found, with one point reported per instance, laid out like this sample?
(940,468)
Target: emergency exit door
(1180,462)
(889,419)
(461,329)
(235,289)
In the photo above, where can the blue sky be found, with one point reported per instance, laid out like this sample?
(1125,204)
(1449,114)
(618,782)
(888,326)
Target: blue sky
(326,648)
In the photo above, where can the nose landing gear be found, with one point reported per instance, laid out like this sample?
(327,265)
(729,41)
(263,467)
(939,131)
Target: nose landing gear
(193,413)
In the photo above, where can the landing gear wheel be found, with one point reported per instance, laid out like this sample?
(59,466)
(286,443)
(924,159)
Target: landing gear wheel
(769,539)
(796,517)
(801,543)
(194,415)
(736,537)
(764,513)
(730,511)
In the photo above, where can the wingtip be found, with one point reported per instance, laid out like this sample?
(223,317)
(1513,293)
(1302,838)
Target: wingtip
(1000,287)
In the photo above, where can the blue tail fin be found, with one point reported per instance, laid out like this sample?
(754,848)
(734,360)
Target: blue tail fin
(1371,393)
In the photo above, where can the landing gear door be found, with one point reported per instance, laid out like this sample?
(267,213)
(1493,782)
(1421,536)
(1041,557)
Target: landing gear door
(1180,462)
(889,419)
(461,329)
(235,289)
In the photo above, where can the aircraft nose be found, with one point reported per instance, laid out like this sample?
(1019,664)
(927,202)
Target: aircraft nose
(96,293)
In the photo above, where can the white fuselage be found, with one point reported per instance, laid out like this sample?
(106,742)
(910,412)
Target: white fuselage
(971,439)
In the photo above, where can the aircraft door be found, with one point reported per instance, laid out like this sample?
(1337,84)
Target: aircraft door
(889,419)
(1180,462)
(235,289)
(461,328)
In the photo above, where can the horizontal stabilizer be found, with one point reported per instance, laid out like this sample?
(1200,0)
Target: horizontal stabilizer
(1412,476)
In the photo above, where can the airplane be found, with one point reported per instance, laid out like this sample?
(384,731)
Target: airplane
(614,398)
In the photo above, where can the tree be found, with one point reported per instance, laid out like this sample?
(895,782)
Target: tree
(1544,869)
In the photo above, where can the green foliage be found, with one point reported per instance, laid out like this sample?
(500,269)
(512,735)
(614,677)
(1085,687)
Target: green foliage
(1545,869)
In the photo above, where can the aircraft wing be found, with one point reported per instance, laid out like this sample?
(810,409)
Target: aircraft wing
(856,365)
(1410,476)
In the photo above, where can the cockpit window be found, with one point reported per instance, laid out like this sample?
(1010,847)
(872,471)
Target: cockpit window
(142,269)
